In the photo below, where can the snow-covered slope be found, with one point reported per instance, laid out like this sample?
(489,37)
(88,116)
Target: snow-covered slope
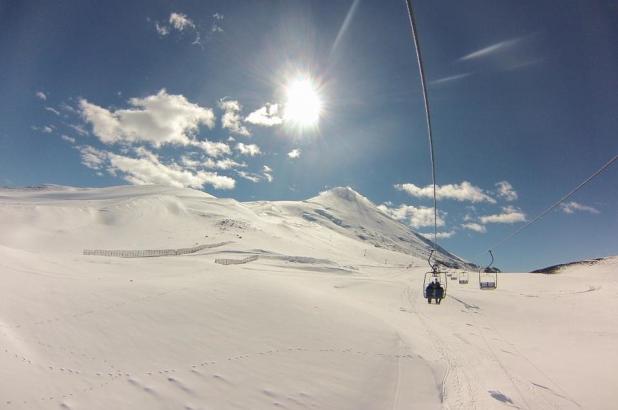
(322,319)
(65,219)
(348,213)
(562,267)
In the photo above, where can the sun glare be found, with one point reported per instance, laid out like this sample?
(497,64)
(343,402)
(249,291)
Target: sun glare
(303,105)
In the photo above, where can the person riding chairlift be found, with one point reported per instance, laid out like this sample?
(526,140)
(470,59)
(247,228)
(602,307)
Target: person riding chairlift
(435,291)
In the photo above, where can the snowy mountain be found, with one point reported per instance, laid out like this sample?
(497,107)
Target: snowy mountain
(348,213)
(55,218)
(311,304)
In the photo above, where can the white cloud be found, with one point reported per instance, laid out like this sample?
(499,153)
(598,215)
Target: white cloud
(295,153)
(41,95)
(158,119)
(485,51)
(67,107)
(224,164)
(267,173)
(255,178)
(47,129)
(217,18)
(417,217)
(180,21)
(52,110)
(450,78)
(228,163)
(473,226)
(440,235)
(459,192)
(572,207)
(213,149)
(509,215)
(231,117)
(68,139)
(92,157)
(266,116)
(248,149)
(147,168)
(79,129)
(162,29)
(191,163)
(506,191)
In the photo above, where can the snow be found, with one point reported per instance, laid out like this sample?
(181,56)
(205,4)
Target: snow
(322,319)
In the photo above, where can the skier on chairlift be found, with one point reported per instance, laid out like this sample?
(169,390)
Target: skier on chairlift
(438,292)
(435,291)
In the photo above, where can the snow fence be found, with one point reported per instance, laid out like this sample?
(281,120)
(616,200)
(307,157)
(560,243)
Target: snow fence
(236,261)
(149,253)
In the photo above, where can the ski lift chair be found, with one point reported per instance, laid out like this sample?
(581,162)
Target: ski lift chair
(487,278)
(434,276)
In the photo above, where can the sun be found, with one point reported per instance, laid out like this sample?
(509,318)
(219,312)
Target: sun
(303,105)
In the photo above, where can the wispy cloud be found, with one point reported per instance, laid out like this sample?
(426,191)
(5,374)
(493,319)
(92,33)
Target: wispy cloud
(450,78)
(228,163)
(47,129)
(249,176)
(248,149)
(459,192)
(162,29)
(295,153)
(572,207)
(473,226)
(440,235)
(268,173)
(217,20)
(180,21)
(505,190)
(344,26)
(41,95)
(52,110)
(78,129)
(231,117)
(213,148)
(266,116)
(68,139)
(491,49)
(509,215)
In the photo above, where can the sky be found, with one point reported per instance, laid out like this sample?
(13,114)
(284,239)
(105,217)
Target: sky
(280,100)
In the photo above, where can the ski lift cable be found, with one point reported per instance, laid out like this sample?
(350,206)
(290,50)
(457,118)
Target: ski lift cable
(419,59)
(555,204)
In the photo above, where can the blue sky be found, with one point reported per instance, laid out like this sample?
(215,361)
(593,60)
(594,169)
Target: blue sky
(523,99)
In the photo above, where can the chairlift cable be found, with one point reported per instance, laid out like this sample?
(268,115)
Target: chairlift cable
(419,59)
(555,204)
